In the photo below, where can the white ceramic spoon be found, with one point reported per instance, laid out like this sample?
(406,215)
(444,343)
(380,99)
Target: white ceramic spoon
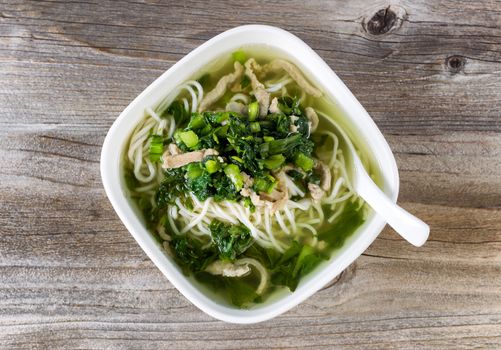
(411,228)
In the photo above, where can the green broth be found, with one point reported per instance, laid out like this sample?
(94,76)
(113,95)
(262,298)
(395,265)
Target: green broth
(241,292)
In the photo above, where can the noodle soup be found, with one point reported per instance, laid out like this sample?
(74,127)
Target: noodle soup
(241,179)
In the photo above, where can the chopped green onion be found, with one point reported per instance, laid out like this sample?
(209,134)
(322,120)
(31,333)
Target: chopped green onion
(274,161)
(194,170)
(156,148)
(212,166)
(239,56)
(264,184)
(189,138)
(233,172)
(255,127)
(177,138)
(304,162)
(253,110)
(196,121)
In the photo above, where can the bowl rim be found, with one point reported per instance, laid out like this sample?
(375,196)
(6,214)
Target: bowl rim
(329,82)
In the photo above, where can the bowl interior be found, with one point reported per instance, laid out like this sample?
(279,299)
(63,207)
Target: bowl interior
(349,113)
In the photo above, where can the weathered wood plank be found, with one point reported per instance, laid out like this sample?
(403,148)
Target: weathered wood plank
(72,277)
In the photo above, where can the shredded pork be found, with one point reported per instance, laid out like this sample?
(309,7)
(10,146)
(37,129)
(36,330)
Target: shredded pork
(228,269)
(316,192)
(276,200)
(222,85)
(312,117)
(172,161)
(274,106)
(173,149)
(294,73)
(325,175)
(246,191)
(262,96)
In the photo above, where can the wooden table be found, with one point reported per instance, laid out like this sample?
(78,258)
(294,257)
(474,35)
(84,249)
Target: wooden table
(71,276)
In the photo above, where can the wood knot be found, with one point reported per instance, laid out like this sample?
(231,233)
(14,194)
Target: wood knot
(455,64)
(345,276)
(385,20)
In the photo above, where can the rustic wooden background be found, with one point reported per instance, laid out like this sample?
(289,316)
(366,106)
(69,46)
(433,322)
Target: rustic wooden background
(71,276)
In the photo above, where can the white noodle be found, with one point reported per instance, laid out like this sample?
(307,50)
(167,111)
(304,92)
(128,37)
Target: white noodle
(199,217)
(293,189)
(281,222)
(260,268)
(278,86)
(240,97)
(199,88)
(290,216)
(153,114)
(335,190)
(172,224)
(172,127)
(194,102)
(338,212)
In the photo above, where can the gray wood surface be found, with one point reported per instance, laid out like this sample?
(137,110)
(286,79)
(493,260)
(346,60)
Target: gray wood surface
(71,276)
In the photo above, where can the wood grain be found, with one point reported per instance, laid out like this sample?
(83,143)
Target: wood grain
(71,276)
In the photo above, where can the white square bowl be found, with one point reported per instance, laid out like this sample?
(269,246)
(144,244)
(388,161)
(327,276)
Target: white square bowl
(360,123)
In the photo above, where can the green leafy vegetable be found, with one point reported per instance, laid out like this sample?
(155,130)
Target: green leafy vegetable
(303,125)
(346,223)
(199,181)
(290,106)
(224,187)
(287,269)
(245,82)
(283,123)
(172,186)
(204,79)
(240,291)
(288,146)
(230,240)
(296,262)
(176,109)
(189,253)
(314,178)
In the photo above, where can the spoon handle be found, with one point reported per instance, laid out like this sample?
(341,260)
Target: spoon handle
(411,228)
